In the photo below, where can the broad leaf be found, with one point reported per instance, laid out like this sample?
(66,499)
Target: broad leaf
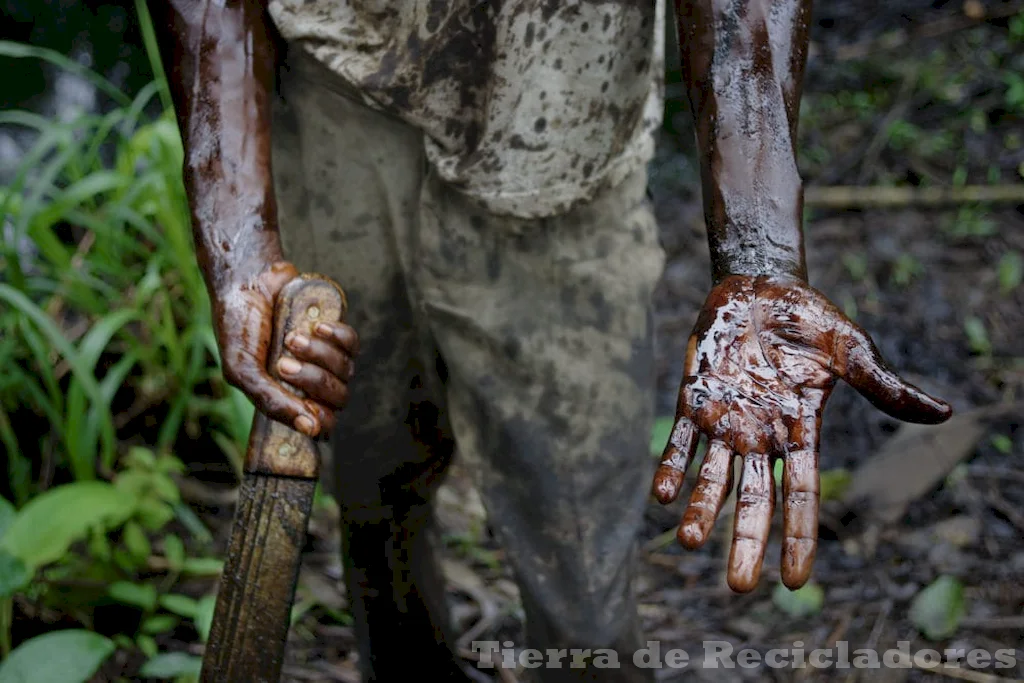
(182,605)
(159,623)
(45,528)
(142,595)
(70,656)
(171,665)
(204,616)
(802,602)
(203,566)
(7,515)
(936,611)
(14,575)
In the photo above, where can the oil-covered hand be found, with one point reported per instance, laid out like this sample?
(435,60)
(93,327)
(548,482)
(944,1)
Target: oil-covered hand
(761,362)
(323,364)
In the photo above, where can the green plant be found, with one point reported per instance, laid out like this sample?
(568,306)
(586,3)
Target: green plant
(107,307)
(937,610)
(105,340)
(856,265)
(1010,271)
(970,221)
(99,533)
(67,656)
(905,269)
(1014,96)
(1016,27)
(977,336)
(803,602)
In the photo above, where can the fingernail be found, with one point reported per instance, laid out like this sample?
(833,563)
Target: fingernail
(351,369)
(797,560)
(298,341)
(324,330)
(304,423)
(289,366)
(666,484)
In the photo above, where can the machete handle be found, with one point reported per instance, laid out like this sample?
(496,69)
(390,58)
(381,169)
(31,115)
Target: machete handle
(276,448)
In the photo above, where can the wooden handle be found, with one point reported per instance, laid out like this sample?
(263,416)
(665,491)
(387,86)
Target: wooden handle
(275,448)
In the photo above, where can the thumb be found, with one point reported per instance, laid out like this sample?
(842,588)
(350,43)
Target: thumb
(858,362)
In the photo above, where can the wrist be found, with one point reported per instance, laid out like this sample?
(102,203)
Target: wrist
(253,268)
(754,216)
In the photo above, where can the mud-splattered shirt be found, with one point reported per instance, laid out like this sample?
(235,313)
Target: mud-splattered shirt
(530,106)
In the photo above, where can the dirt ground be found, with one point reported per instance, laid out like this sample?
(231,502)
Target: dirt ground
(930,285)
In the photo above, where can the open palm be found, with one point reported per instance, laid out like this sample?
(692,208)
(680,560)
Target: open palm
(760,364)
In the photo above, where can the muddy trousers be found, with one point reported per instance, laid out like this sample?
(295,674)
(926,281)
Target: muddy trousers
(525,346)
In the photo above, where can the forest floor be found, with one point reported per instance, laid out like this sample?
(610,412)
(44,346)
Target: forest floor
(910,94)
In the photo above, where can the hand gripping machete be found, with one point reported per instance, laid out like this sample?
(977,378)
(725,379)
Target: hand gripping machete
(253,609)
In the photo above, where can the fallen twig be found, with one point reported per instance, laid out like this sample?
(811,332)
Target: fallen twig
(873,196)
(930,30)
(1016,623)
(990,472)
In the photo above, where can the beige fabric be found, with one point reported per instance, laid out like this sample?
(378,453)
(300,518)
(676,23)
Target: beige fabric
(529,106)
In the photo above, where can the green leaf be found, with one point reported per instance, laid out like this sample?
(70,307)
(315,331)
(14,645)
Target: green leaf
(141,595)
(937,610)
(171,665)
(16,50)
(135,541)
(142,458)
(164,487)
(159,623)
(123,641)
(204,616)
(147,644)
(191,521)
(660,434)
(99,545)
(977,336)
(1011,271)
(182,605)
(174,551)
(833,483)
(802,602)
(203,566)
(84,382)
(154,514)
(70,656)
(7,515)
(1002,443)
(46,527)
(14,575)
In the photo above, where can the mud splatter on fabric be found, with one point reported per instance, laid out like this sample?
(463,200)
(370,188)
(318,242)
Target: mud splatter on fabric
(528,106)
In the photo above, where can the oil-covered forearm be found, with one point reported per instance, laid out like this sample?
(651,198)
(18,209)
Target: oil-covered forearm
(743,64)
(219,60)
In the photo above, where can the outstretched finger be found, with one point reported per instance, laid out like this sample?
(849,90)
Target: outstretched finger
(675,460)
(713,485)
(754,506)
(857,360)
(800,496)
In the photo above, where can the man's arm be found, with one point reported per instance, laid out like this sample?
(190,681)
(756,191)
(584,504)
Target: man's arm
(220,62)
(767,348)
(743,61)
